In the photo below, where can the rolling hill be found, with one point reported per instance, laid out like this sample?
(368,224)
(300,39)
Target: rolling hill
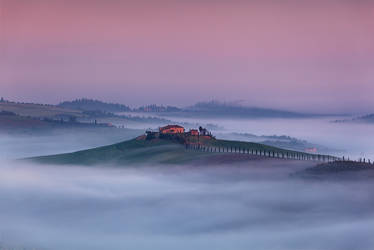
(161,151)
(37,110)
(85,104)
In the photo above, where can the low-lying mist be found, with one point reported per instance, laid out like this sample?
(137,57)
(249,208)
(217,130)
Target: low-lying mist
(256,206)
(252,205)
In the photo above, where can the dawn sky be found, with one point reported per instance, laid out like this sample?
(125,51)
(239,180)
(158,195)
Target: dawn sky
(293,54)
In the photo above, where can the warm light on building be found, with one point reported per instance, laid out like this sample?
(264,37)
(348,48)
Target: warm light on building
(172,129)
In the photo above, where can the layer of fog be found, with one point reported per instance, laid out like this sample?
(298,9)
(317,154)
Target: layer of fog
(251,206)
(349,139)
(255,206)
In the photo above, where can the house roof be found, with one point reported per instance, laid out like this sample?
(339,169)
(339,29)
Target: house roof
(171,126)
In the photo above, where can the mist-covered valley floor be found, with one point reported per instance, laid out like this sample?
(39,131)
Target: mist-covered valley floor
(226,207)
(252,205)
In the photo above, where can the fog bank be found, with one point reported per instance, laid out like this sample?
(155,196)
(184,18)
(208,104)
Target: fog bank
(50,207)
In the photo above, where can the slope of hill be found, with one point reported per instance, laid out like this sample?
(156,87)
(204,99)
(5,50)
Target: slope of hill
(159,151)
(128,152)
(94,105)
(11,123)
(38,110)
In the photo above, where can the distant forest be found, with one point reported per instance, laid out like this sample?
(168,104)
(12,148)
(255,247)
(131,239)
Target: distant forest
(96,105)
(92,105)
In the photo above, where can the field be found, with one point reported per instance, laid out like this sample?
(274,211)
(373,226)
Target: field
(157,151)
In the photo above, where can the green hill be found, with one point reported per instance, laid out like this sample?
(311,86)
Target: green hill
(162,151)
(128,152)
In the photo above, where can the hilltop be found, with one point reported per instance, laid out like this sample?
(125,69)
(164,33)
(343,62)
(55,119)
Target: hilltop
(167,150)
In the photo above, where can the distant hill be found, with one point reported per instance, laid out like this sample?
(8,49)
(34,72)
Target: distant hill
(37,110)
(153,108)
(32,116)
(367,118)
(12,123)
(361,119)
(342,170)
(159,151)
(94,105)
(220,109)
(201,109)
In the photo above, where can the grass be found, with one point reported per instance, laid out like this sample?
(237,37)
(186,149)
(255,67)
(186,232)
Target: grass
(157,151)
(129,152)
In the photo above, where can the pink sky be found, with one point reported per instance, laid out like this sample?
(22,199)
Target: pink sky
(294,54)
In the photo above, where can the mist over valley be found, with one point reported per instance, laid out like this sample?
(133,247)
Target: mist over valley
(186,125)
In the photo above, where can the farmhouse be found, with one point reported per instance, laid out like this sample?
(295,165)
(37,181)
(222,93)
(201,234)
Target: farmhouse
(172,129)
(193,132)
(177,131)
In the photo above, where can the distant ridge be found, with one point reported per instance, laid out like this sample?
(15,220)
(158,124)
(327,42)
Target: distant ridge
(216,108)
(169,150)
(205,109)
(360,119)
(94,105)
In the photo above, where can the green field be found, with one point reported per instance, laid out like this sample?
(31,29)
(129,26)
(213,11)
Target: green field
(156,151)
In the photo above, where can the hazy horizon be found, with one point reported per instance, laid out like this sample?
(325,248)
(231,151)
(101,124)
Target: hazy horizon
(294,55)
(237,103)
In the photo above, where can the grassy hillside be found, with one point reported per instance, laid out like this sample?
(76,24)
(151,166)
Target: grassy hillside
(37,110)
(156,151)
(128,152)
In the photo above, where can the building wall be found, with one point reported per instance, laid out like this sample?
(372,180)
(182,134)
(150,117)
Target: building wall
(194,132)
(172,131)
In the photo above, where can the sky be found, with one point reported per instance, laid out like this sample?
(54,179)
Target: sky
(294,54)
